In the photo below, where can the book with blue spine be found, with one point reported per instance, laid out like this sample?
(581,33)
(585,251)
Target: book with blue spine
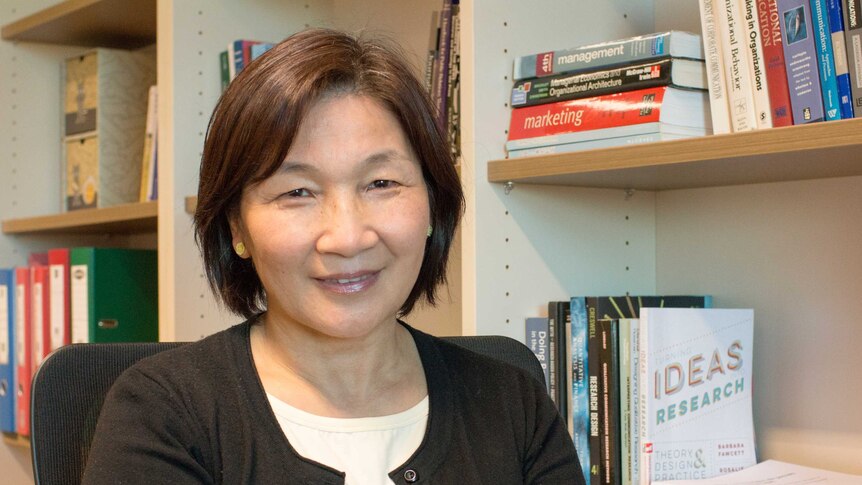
(7,351)
(605,54)
(825,60)
(536,332)
(580,401)
(839,53)
(800,57)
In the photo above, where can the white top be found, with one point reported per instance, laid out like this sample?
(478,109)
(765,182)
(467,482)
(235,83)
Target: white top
(366,449)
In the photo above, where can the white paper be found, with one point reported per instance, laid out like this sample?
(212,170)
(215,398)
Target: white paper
(774,472)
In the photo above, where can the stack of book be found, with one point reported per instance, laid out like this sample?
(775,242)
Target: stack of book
(777,63)
(239,54)
(652,387)
(443,71)
(77,295)
(634,90)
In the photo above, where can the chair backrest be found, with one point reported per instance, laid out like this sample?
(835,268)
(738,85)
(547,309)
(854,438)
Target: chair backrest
(71,384)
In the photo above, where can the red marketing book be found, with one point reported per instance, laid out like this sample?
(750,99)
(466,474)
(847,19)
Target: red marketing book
(773,56)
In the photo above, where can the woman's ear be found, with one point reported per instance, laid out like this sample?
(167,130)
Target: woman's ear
(238,234)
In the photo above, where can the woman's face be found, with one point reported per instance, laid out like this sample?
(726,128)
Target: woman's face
(337,234)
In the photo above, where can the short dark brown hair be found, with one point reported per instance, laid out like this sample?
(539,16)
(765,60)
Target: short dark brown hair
(254,125)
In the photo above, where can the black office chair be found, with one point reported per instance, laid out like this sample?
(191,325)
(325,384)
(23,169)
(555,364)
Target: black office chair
(70,387)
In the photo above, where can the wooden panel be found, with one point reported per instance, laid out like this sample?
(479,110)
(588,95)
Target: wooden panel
(819,150)
(126,218)
(16,440)
(125,24)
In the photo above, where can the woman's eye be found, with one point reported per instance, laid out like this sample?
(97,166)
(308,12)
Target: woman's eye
(382,184)
(298,193)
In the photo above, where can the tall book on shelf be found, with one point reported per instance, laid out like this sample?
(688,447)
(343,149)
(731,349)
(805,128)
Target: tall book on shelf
(825,60)
(7,350)
(852,38)
(839,50)
(756,62)
(736,61)
(718,102)
(800,59)
(696,392)
(773,58)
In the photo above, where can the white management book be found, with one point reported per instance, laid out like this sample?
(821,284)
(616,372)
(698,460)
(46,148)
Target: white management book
(712,48)
(695,393)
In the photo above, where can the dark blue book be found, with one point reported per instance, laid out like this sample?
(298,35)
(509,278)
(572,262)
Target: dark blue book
(536,332)
(800,58)
(825,60)
(839,52)
(7,350)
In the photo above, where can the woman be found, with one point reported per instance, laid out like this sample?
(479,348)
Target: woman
(326,208)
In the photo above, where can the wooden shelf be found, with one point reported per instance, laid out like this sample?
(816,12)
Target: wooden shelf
(819,150)
(124,24)
(126,218)
(16,440)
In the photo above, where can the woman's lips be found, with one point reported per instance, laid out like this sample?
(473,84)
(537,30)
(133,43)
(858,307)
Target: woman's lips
(349,284)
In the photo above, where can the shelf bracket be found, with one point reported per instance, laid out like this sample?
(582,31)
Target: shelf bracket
(507,189)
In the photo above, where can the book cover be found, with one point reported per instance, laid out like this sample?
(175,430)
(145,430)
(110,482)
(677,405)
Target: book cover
(683,73)
(103,160)
(536,331)
(114,295)
(852,10)
(695,394)
(719,109)
(580,396)
(629,359)
(757,64)
(596,389)
(773,57)
(559,312)
(7,353)
(609,401)
(239,53)
(800,59)
(453,104)
(553,358)
(224,69)
(665,104)
(605,54)
(839,51)
(58,260)
(23,351)
(257,50)
(736,63)
(148,160)
(662,133)
(40,313)
(433,46)
(825,60)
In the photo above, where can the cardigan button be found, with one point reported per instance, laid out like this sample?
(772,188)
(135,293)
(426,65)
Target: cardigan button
(411,476)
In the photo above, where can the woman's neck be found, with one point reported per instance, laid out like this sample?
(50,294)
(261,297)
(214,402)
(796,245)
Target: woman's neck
(374,375)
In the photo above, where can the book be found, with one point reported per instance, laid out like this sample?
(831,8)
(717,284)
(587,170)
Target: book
(736,64)
(773,59)
(825,60)
(609,401)
(628,331)
(7,352)
(559,315)
(760,87)
(776,472)
(536,332)
(695,394)
(800,59)
(257,50)
(431,55)
(719,109)
(106,93)
(23,351)
(682,73)
(224,69)
(852,11)
(579,405)
(662,132)
(148,160)
(839,51)
(441,71)
(453,103)
(114,295)
(605,54)
(40,313)
(580,119)
(58,261)
(239,55)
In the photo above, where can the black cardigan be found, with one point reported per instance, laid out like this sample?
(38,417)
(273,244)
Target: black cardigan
(199,414)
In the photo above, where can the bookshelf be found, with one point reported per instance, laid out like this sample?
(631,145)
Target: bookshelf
(767,220)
